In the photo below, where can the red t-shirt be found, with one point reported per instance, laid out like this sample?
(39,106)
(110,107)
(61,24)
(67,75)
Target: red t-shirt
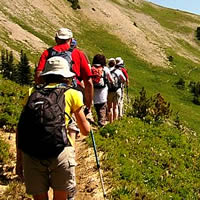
(80,66)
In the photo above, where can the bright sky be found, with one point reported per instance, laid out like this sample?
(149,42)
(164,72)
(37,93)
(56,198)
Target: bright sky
(192,6)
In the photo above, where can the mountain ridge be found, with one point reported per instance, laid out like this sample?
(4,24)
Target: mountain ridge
(32,25)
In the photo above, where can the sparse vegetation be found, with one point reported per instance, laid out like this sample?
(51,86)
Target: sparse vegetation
(150,110)
(149,161)
(11,99)
(20,73)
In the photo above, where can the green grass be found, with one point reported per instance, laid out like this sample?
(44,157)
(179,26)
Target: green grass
(169,18)
(11,99)
(189,47)
(141,161)
(155,162)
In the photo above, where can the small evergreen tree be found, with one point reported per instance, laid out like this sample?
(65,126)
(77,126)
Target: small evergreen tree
(7,66)
(24,70)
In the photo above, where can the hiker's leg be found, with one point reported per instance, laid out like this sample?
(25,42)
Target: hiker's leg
(115,111)
(116,104)
(121,103)
(63,174)
(36,175)
(101,113)
(43,196)
(97,108)
(110,107)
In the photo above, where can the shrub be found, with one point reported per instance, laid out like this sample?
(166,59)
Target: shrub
(15,190)
(180,84)
(150,109)
(198,33)
(195,89)
(75,4)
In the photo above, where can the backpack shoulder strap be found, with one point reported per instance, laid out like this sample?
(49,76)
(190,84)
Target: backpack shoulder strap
(51,52)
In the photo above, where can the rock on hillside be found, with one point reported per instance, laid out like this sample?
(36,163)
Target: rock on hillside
(31,23)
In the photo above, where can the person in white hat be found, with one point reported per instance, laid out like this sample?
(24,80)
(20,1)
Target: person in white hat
(120,65)
(58,171)
(81,67)
(114,90)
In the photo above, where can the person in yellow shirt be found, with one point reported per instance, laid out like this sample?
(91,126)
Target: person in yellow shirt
(57,172)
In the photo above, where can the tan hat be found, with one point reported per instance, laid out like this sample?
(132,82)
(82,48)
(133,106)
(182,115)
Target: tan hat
(64,34)
(57,65)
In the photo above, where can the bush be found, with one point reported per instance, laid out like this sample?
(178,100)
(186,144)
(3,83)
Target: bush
(198,33)
(153,109)
(180,84)
(11,99)
(75,4)
(4,151)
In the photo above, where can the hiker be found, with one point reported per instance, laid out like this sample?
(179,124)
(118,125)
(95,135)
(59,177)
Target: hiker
(80,66)
(114,90)
(101,75)
(45,164)
(120,65)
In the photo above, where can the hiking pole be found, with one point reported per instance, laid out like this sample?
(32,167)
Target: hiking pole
(127,94)
(98,164)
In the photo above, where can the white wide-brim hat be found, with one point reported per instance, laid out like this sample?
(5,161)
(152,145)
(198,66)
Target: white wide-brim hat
(57,65)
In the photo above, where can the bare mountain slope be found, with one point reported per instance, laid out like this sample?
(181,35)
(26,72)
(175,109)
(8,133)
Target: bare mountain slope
(29,24)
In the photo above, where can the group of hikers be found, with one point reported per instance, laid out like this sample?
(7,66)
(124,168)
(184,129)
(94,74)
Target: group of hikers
(58,108)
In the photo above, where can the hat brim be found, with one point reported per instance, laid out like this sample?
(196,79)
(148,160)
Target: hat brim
(61,73)
(63,37)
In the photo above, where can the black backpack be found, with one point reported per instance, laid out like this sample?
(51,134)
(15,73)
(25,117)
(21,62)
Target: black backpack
(67,55)
(41,127)
(113,87)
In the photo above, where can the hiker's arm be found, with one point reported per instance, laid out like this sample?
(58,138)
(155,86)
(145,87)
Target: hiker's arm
(37,77)
(82,122)
(109,77)
(40,67)
(122,77)
(89,92)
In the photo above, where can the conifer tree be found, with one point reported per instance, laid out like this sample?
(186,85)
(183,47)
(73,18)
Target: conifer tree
(24,70)
(7,66)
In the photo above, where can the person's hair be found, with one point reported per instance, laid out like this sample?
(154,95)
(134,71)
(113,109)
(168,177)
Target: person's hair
(111,63)
(99,59)
(61,41)
(53,78)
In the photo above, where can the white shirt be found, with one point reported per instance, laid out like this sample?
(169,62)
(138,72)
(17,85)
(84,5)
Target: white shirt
(101,94)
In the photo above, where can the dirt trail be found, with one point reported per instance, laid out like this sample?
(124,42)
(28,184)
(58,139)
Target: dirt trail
(88,181)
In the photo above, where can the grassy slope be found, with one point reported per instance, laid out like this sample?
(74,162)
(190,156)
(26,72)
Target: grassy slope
(163,177)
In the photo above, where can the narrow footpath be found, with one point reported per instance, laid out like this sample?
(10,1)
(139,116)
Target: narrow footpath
(88,180)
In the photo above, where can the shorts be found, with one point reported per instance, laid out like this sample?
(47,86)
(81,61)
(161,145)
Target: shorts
(114,97)
(57,173)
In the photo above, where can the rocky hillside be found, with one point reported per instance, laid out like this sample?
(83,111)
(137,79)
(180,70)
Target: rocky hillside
(151,31)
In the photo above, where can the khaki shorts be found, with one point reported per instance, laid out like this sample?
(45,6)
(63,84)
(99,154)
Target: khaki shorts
(57,173)
(114,97)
